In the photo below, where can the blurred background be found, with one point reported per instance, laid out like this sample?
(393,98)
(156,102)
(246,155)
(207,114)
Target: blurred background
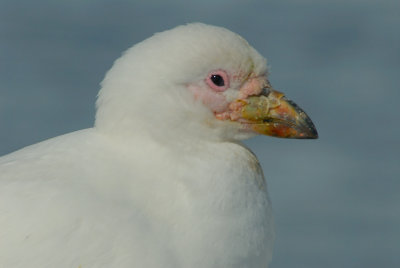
(336,199)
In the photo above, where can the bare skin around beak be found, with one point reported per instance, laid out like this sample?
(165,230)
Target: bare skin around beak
(272,114)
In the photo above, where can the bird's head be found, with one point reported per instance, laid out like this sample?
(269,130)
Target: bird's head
(196,81)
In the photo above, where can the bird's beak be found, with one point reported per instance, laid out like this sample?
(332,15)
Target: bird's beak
(271,113)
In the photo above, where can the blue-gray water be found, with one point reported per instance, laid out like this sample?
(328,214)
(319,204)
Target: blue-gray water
(336,199)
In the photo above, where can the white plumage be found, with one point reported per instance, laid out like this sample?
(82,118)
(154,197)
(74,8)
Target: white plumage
(159,181)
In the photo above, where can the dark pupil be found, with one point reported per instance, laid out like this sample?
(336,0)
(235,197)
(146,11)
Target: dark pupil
(217,80)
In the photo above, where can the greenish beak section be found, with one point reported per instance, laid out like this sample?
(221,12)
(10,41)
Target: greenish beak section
(272,114)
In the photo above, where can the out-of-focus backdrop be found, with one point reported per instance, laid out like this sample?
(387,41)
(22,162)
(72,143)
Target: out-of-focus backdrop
(336,199)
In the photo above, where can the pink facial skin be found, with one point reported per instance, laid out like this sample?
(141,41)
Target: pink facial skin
(213,100)
(212,95)
(222,74)
(233,112)
(252,87)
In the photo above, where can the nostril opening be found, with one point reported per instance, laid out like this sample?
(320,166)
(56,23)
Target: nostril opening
(266,91)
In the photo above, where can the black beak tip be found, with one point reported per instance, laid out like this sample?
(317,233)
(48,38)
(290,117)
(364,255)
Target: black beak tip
(311,132)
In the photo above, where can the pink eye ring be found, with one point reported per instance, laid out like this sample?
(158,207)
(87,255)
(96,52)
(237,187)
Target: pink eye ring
(218,80)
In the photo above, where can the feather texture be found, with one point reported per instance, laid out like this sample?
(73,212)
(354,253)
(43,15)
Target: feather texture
(158,182)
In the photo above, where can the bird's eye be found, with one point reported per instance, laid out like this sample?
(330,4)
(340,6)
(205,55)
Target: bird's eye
(218,80)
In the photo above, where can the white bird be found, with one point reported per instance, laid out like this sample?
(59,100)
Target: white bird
(161,180)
